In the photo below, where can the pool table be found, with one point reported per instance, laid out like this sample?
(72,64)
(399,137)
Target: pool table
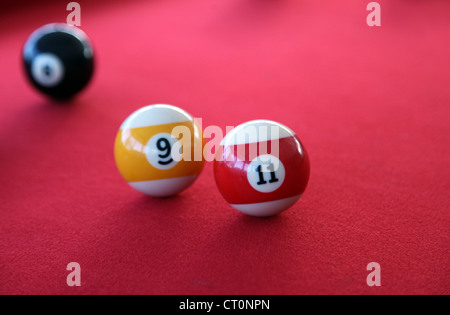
(371,105)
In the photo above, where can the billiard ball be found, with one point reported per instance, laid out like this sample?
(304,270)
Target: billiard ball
(261,168)
(159,150)
(58,60)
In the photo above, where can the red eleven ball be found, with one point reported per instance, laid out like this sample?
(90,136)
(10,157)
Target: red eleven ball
(261,168)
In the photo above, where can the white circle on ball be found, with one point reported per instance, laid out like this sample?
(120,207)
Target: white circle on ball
(266,173)
(163,151)
(47,69)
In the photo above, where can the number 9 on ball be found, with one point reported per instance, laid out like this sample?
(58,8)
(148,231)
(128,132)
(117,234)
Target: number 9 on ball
(158,150)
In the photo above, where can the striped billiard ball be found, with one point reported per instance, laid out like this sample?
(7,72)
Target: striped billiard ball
(158,150)
(261,168)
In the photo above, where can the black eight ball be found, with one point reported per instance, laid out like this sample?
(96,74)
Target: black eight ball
(58,60)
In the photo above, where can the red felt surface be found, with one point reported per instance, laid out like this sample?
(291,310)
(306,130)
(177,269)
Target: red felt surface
(371,105)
